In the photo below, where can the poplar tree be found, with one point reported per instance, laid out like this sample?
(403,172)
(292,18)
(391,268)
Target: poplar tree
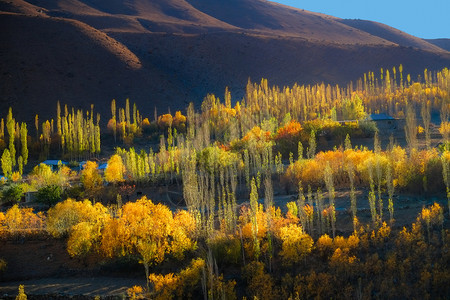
(127,112)
(379,174)
(36,125)
(328,178)
(2,129)
(390,188)
(11,127)
(446,175)
(24,142)
(301,205)
(97,135)
(20,165)
(113,118)
(254,211)
(372,197)
(58,118)
(411,128)
(6,163)
(425,112)
(311,152)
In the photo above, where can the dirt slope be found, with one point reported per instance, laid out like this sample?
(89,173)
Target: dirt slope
(49,59)
(169,52)
(391,34)
(441,43)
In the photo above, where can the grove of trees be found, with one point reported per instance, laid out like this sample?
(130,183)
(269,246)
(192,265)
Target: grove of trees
(229,237)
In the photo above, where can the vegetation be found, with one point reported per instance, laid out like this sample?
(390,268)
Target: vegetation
(227,241)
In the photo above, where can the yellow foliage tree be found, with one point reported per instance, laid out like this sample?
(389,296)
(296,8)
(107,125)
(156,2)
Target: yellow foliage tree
(21,221)
(296,244)
(91,179)
(148,230)
(64,215)
(115,169)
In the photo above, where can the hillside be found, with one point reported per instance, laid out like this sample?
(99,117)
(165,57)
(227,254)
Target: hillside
(441,43)
(163,53)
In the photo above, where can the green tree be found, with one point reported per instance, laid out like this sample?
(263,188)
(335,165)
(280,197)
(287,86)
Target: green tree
(12,194)
(24,142)
(254,211)
(49,194)
(11,127)
(353,109)
(6,163)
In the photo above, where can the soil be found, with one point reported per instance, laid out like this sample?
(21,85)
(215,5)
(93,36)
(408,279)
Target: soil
(44,267)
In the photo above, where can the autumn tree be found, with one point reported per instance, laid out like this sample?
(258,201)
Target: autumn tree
(353,109)
(91,179)
(64,215)
(149,231)
(296,244)
(115,169)
(21,295)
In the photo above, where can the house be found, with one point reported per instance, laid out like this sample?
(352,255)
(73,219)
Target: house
(386,124)
(30,196)
(54,164)
(102,167)
(81,165)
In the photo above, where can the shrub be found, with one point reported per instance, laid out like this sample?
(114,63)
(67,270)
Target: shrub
(12,194)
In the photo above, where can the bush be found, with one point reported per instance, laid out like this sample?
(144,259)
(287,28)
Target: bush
(49,194)
(12,194)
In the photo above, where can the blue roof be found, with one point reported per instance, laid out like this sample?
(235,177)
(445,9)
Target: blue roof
(3,178)
(103,166)
(379,117)
(54,162)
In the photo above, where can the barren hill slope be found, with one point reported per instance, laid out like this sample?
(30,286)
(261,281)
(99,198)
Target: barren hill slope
(169,52)
(391,34)
(441,43)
